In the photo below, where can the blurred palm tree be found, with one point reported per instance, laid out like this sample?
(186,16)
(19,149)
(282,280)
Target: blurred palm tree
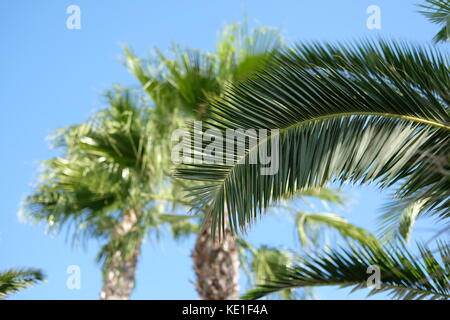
(109,184)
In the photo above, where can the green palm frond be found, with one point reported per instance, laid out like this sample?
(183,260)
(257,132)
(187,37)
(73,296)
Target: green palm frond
(398,222)
(305,223)
(183,82)
(326,195)
(402,275)
(438,12)
(401,213)
(14,280)
(371,112)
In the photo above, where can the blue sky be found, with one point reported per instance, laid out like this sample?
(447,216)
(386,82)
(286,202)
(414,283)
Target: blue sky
(52,77)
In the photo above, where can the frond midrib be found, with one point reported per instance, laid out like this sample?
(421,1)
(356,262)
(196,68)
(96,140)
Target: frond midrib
(378,114)
(328,117)
(343,114)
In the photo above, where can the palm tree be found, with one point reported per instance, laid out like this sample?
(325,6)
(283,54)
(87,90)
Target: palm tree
(14,280)
(108,184)
(370,112)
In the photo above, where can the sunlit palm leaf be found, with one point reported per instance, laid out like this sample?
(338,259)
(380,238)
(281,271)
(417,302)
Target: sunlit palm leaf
(305,220)
(399,221)
(328,196)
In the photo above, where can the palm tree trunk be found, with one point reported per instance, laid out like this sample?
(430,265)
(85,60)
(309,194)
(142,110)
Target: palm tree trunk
(216,265)
(120,274)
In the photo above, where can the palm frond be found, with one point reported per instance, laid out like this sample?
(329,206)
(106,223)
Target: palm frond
(327,195)
(368,113)
(305,221)
(398,222)
(14,280)
(242,51)
(402,275)
(438,12)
